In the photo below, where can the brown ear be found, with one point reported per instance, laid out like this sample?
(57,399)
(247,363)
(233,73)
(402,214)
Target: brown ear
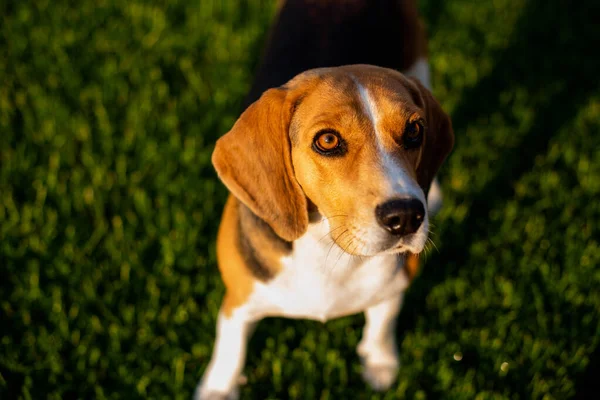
(254,161)
(439,138)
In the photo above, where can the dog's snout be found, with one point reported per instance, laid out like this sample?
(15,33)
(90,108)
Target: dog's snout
(400,216)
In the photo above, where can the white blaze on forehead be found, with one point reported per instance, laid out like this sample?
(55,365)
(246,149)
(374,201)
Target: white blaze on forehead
(397,182)
(368,105)
(401,183)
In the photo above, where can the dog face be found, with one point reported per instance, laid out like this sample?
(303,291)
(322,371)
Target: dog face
(361,143)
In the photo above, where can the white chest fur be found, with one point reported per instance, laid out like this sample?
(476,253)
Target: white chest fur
(320,281)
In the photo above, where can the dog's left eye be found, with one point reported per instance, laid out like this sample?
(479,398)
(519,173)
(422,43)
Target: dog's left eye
(413,135)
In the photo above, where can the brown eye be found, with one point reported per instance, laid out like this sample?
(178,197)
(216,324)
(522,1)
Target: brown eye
(328,143)
(413,135)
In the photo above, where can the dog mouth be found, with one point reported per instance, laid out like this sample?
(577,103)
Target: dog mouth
(401,248)
(354,243)
(412,243)
(368,240)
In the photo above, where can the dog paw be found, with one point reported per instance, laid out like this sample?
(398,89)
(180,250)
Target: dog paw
(380,377)
(380,364)
(207,394)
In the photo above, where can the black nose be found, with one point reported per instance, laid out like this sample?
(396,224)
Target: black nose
(400,216)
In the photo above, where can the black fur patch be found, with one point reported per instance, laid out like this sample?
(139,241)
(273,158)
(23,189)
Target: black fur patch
(252,259)
(249,227)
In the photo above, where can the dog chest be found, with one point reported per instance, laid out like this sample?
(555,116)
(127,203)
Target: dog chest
(320,281)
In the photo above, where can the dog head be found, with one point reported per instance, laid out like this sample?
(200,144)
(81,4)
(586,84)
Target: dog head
(360,144)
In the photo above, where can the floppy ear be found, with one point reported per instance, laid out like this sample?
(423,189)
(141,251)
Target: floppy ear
(254,161)
(439,137)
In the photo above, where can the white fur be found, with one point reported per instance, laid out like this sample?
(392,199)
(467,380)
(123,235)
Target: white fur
(320,281)
(435,198)
(420,70)
(220,379)
(317,281)
(378,349)
(368,105)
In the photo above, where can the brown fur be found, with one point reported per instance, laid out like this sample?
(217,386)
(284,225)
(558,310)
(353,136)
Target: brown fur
(254,161)
(260,246)
(411,265)
(436,147)
(236,276)
(235,264)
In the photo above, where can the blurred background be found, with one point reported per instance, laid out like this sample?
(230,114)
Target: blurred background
(109,206)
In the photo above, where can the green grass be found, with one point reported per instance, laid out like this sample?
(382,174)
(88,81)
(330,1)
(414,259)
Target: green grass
(109,206)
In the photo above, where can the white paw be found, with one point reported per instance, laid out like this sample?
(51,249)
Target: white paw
(204,393)
(380,365)
(380,377)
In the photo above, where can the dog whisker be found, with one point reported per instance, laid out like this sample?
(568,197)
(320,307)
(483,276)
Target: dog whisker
(333,243)
(351,257)
(340,256)
(349,254)
(342,252)
(330,232)
(334,216)
(430,240)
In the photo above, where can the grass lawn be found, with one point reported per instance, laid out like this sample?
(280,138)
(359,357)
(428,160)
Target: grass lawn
(109,206)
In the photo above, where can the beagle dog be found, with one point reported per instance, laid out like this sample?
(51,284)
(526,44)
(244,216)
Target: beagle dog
(329,176)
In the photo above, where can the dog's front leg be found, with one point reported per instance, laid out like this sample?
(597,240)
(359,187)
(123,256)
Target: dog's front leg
(377,348)
(220,380)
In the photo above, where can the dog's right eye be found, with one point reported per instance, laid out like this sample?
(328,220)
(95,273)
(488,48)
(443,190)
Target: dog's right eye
(329,143)
(413,135)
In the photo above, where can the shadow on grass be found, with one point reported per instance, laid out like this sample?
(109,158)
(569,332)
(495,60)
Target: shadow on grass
(588,384)
(551,59)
